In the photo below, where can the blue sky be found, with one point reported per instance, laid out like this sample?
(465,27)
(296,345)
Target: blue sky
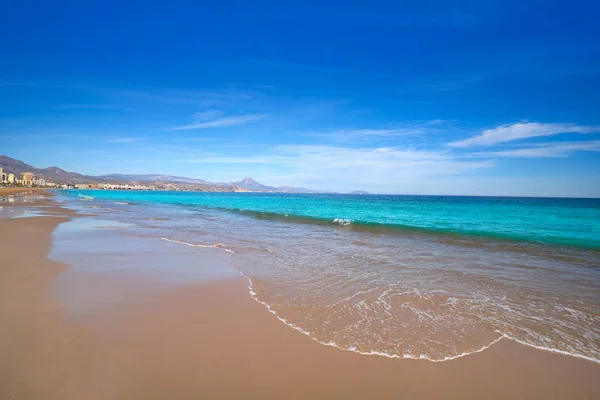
(434,97)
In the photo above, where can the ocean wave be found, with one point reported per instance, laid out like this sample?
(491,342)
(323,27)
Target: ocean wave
(84,197)
(448,355)
(212,246)
(342,221)
(549,349)
(354,349)
(418,217)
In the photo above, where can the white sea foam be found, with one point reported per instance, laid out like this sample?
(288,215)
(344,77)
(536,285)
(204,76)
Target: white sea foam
(342,221)
(84,197)
(550,349)
(330,343)
(213,246)
(354,349)
(381,300)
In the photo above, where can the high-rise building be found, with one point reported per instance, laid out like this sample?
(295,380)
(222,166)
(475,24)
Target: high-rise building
(28,179)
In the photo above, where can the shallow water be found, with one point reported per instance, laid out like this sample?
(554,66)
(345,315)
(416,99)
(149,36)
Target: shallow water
(433,293)
(112,264)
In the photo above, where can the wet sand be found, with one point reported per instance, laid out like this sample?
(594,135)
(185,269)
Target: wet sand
(211,340)
(16,190)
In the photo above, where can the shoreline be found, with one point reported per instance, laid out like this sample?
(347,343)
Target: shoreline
(211,339)
(18,191)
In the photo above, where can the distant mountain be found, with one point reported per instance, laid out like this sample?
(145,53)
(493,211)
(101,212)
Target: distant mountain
(51,174)
(359,192)
(290,189)
(155,178)
(57,175)
(251,184)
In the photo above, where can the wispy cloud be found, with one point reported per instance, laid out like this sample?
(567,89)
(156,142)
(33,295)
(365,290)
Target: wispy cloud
(371,133)
(448,85)
(91,107)
(222,122)
(195,139)
(546,150)
(9,83)
(523,130)
(207,115)
(124,140)
(352,167)
(417,128)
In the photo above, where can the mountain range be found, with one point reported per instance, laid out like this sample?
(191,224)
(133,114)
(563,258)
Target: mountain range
(60,176)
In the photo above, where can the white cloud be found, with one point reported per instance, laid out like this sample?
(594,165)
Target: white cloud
(222,122)
(124,140)
(360,135)
(383,162)
(207,115)
(339,168)
(415,128)
(546,150)
(91,106)
(522,130)
(403,131)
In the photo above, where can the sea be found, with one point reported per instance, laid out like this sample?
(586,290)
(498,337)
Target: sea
(418,277)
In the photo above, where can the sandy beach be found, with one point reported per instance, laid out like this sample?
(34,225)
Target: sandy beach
(211,340)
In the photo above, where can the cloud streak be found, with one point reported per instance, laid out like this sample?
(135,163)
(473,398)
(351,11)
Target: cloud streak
(91,107)
(222,122)
(124,140)
(522,130)
(548,150)
(330,166)
(207,115)
(417,128)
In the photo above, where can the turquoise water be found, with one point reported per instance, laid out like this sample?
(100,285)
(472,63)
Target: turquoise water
(553,221)
(421,277)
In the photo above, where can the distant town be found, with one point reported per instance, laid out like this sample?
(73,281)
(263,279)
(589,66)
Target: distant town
(28,179)
(16,173)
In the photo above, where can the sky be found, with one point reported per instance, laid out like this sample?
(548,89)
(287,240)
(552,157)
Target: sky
(431,97)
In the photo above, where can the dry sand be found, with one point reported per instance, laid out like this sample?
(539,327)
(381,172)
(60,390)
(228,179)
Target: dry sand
(212,341)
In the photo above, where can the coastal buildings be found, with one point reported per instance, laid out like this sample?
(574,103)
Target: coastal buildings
(28,179)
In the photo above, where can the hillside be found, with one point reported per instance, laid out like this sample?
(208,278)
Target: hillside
(154,178)
(60,176)
(251,184)
(51,174)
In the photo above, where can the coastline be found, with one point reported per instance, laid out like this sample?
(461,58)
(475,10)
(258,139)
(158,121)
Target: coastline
(19,190)
(211,339)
